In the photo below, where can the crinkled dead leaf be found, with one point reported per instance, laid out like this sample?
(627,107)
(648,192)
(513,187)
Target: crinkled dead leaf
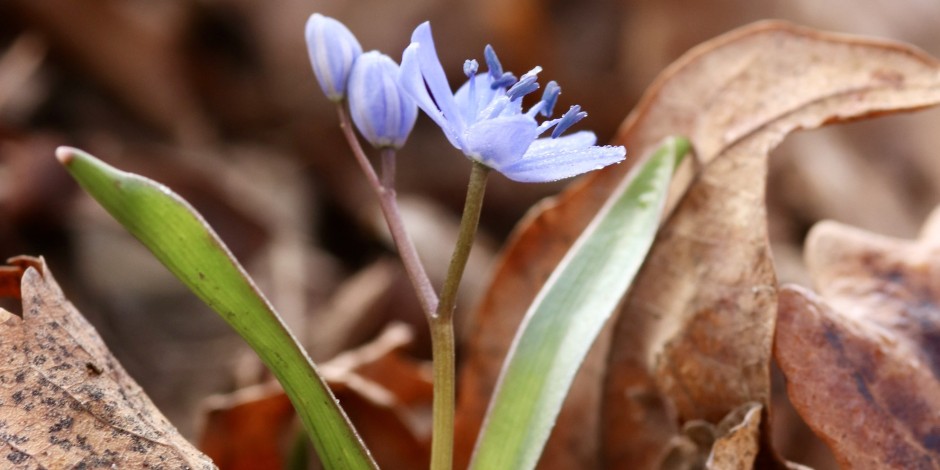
(861,358)
(697,327)
(694,338)
(731,444)
(737,448)
(67,403)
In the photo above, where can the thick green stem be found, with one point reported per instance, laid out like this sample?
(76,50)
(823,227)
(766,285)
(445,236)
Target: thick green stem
(468,231)
(442,434)
(442,325)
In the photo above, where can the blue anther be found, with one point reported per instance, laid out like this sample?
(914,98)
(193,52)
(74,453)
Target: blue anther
(504,81)
(496,69)
(470,67)
(573,115)
(549,98)
(527,84)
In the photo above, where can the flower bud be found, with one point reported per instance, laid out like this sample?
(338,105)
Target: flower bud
(333,49)
(383,114)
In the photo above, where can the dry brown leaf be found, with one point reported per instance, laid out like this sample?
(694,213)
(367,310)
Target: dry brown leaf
(249,429)
(10,281)
(737,448)
(861,360)
(67,401)
(695,336)
(731,444)
(358,309)
(388,398)
(697,326)
(386,395)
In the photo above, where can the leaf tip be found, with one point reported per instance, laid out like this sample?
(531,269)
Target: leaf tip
(680,147)
(65,154)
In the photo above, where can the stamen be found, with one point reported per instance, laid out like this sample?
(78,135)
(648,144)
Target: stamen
(522,88)
(549,98)
(496,69)
(505,80)
(535,109)
(573,115)
(546,125)
(527,84)
(470,67)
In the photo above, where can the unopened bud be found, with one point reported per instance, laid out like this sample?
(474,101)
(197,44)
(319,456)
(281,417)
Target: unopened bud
(383,114)
(333,50)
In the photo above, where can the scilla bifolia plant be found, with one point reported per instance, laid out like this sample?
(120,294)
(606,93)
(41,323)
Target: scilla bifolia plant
(486,121)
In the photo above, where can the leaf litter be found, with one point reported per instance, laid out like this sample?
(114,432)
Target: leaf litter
(709,296)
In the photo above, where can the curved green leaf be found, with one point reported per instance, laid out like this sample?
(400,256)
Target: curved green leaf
(180,238)
(568,314)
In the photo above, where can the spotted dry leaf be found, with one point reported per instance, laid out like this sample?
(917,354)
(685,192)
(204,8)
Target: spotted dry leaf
(862,358)
(66,401)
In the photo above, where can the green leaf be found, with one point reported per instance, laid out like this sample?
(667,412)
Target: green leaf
(180,238)
(568,314)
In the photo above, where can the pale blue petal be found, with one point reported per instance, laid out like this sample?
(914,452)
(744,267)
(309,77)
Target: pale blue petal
(434,75)
(551,164)
(580,139)
(412,82)
(500,141)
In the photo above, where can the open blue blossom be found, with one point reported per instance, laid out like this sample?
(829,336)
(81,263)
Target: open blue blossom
(383,114)
(333,49)
(484,119)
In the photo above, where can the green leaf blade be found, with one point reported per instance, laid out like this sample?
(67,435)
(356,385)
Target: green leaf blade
(181,239)
(568,314)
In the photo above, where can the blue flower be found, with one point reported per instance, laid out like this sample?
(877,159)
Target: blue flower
(485,120)
(333,49)
(382,113)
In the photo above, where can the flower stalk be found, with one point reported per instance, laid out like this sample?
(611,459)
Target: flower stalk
(444,382)
(468,229)
(442,325)
(385,191)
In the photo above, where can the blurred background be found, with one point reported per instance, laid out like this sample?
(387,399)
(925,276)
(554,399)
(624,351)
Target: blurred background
(216,99)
